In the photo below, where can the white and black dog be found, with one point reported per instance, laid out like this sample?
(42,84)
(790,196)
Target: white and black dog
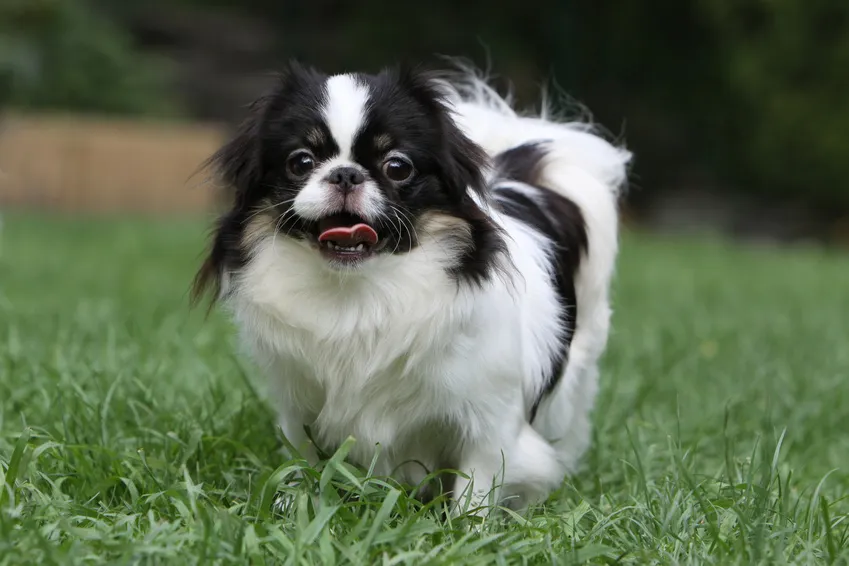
(416,265)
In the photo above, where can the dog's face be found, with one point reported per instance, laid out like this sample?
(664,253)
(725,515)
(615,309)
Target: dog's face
(353,167)
(349,164)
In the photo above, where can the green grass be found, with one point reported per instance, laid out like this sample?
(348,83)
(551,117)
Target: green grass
(130,431)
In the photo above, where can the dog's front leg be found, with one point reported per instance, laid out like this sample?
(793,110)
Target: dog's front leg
(292,426)
(291,423)
(484,466)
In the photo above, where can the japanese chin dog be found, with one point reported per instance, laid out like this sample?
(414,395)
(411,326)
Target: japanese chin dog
(416,265)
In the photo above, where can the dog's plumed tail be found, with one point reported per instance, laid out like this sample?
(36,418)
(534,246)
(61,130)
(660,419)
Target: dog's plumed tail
(491,121)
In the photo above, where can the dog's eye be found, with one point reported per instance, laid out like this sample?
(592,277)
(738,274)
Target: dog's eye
(398,169)
(300,163)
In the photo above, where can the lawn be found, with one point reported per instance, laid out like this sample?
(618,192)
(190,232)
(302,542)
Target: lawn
(131,431)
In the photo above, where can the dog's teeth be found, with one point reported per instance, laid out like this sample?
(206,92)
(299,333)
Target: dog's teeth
(350,249)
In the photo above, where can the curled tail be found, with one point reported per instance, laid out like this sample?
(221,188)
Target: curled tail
(490,120)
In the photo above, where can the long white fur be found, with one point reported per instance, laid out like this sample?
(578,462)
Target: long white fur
(395,354)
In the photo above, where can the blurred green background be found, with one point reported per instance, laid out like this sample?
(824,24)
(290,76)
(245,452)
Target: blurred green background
(737,110)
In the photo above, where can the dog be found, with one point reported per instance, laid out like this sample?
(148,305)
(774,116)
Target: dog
(418,266)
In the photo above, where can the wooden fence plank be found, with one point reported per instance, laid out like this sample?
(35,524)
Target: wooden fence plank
(95,165)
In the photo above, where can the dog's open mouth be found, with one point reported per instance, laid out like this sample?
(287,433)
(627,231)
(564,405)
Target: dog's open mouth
(346,237)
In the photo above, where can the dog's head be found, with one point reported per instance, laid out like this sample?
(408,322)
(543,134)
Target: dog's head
(354,166)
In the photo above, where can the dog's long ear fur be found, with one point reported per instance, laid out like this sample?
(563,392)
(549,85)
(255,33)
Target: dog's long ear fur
(238,165)
(463,160)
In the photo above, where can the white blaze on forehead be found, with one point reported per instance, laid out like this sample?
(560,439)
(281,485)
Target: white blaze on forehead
(345,110)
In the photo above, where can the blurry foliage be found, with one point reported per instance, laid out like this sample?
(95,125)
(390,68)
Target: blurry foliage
(756,91)
(785,73)
(61,54)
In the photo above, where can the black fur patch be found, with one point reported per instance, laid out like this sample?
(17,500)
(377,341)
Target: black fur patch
(561,221)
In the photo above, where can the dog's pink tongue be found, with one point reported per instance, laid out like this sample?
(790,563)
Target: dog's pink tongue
(350,236)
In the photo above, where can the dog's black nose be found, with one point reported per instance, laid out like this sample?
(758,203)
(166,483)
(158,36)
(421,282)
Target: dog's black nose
(346,179)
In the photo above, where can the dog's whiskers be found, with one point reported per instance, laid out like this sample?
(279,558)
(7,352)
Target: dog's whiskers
(271,206)
(408,224)
(400,230)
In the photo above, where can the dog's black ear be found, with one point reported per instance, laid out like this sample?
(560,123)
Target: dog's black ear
(462,160)
(238,163)
(463,169)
